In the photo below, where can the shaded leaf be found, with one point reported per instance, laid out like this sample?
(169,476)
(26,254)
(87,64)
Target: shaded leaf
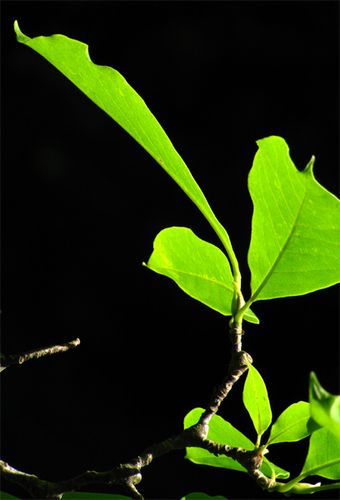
(291,425)
(323,458)
(223,432)
(198,267)
(295,241)
(325,407)
(256,401)
(7,496)
(109,90)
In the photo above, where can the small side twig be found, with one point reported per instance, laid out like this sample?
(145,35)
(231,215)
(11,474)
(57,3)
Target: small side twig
(19,359)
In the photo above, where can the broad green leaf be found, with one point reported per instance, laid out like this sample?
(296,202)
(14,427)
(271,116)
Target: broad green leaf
(323,458)
(295,241)
(256,401)
(80,495)
(109,90)
(324,407)
(292,424)
(223,432)
(202,496)
(199,268)
(7,496)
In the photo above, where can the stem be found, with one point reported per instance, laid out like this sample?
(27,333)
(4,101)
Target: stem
(237,367)
(19,359)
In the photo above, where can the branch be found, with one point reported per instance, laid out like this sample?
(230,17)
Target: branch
(129,474)
(19,359)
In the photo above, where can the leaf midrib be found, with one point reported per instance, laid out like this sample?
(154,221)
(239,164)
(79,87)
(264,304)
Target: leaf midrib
(281,252)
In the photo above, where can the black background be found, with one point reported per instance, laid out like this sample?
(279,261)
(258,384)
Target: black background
(83,203)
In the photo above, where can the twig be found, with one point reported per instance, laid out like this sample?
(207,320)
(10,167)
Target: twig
(129,474)
(237,367)
(19,359)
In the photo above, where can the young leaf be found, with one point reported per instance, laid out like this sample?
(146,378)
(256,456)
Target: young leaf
(295,241)
(223,432)
(292,424)
(109,90)
(324,407)
(256,401)
(323,458)
(199,268)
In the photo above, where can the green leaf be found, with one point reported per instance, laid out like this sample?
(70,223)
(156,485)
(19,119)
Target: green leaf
(202,496)
(109,90)
(7,496)
(292,424)
(199,268)
(256,401)
(323,458)
(80,495)
(324,407)
(295,243)
(223,432)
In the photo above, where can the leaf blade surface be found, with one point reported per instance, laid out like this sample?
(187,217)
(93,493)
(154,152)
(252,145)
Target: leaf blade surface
(325,407)
(109,90)
(295,241)
(222,431)
(323,457)
(256,401)
(199,268)
(291,425)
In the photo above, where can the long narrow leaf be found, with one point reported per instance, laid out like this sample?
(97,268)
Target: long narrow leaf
(109,90)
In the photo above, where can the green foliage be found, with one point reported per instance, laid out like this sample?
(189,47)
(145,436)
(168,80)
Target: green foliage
(295,244)
(325,408)
(256,401)
(198,267)
(224,432)
(294,250)
(323,458)
(107,88)
(292,424)
(7,496)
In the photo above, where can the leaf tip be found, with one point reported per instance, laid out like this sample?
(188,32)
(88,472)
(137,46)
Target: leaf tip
(21,38)
(310,165)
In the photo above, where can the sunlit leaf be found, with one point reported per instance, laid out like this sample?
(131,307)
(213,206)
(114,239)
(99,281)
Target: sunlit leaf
(323,458)
(295,241)
(198,267)
(256,401)
(223,432)
(325,407)
(291,425)
(109,90)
